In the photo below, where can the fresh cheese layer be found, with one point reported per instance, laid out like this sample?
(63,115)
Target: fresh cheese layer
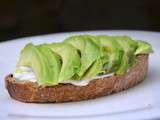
(24,73)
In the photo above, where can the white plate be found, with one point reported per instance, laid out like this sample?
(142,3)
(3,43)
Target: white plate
(139,102)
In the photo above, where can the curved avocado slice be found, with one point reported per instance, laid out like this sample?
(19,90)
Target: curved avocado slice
(70,60)
(114,52)
(94,69)
(143,48)
(89,51)
(97,42)
(124,65)
(31,56)
(53,62)
(128,45)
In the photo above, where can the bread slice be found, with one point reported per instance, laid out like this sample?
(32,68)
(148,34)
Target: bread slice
(32,92)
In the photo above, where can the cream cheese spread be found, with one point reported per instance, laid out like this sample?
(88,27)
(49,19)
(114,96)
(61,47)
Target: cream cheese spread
(26,74)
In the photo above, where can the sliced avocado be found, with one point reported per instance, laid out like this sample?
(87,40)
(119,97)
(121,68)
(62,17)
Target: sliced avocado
(143,48)
(76,41)
(70,60)
(94,69)
(124,65)
(32,57)
(89,51)
(114,52)
(81,57)
(98,43)
(128,45)
(53,62)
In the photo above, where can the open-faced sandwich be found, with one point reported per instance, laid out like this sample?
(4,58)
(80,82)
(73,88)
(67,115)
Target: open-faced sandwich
(79,68)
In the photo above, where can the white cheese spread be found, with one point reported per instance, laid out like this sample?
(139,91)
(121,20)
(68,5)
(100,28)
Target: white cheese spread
(26,74)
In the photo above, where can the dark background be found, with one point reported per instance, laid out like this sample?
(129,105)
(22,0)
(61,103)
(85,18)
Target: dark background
(20,18)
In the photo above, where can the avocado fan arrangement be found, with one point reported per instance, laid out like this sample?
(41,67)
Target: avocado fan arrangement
(79,58)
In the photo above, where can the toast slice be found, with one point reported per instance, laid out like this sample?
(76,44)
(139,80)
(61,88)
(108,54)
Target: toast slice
(32,92)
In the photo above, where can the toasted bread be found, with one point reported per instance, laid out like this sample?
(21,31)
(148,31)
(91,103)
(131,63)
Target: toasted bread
(32,92)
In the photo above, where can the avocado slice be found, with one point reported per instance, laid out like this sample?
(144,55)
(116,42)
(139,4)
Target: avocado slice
(98,66)
(32,57)
(114,52)
(124,65)
(98,43)
(128,45)
(53,62)
(143,48)
(94,69)
(70,60)
(89,51)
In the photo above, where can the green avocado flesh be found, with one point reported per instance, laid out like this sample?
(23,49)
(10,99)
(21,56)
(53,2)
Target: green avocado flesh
(89,51)
(43,61)
(143,48)
(114,53)
(70,60)
(53,62)
(81,57)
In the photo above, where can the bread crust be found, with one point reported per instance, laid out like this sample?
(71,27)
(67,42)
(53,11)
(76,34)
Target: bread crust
(32,92)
